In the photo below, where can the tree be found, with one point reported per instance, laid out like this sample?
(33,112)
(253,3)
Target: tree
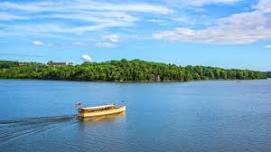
(123,70)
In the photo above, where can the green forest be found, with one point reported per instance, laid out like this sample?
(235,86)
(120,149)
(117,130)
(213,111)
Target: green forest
(122,71)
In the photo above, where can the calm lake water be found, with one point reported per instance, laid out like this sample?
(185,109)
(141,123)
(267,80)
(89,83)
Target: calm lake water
(204,116)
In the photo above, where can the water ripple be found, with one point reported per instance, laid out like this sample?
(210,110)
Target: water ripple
(14,129)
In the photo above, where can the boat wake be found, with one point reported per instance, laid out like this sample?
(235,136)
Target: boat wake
(14,129)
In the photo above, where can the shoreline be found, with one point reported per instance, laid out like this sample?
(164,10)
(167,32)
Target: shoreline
(137,82)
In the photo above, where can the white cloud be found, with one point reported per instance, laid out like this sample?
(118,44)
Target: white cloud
(84,5)
(9,17)
(264,6)
(109,41)
(86,58)
(246,27)
(37,43)
(192,20)
(111,38)
(56,28)
(94,17)
(73,17)
(156,21)
(267,46)
(200,3)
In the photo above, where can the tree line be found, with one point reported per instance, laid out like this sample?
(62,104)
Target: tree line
(122,71)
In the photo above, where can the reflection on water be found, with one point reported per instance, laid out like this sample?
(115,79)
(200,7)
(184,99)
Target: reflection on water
(102,119)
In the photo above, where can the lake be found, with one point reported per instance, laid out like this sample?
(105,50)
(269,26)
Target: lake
(203,116)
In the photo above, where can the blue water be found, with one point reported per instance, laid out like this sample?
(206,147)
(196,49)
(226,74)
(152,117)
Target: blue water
(211,116)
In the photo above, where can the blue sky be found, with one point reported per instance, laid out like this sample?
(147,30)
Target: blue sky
(224,33)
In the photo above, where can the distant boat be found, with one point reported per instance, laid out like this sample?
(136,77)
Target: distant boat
(109,109)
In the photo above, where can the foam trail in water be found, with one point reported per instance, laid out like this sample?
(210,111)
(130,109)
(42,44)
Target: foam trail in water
(13,129)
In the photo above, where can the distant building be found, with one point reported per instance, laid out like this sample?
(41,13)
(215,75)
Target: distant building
(52,63)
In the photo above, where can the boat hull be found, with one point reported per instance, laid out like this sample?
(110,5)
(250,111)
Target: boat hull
(102,113)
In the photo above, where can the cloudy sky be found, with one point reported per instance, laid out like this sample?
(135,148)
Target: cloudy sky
(224,33)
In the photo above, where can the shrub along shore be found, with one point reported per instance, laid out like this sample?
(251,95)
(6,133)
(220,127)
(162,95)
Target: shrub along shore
(122,71)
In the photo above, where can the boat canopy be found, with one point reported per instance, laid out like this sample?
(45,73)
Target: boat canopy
(99,107)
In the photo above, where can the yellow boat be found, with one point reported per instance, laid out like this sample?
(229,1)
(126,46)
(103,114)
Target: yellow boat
(109,109)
